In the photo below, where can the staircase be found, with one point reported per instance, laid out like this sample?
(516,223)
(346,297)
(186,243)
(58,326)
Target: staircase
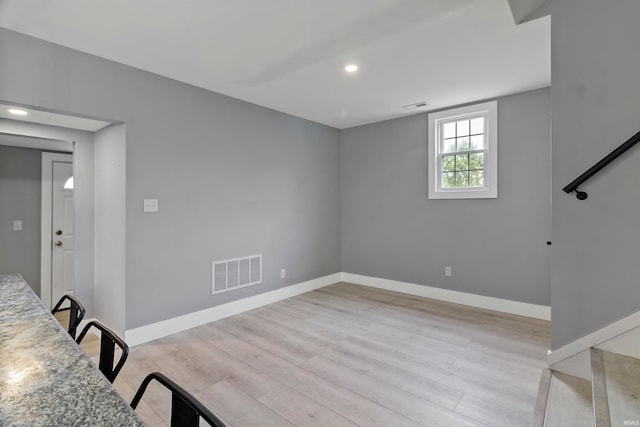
(610,399)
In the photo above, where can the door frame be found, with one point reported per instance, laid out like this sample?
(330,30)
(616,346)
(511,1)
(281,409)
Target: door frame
(45,222)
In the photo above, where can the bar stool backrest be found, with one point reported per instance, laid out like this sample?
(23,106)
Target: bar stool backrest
(76,312)
(108,342)
(186,410)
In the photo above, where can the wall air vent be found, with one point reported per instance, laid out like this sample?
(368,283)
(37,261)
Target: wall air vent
(236,273)
(416,105)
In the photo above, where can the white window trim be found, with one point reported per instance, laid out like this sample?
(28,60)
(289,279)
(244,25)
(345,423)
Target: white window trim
(490,190)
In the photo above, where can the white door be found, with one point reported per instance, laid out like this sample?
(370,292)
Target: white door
(61,230)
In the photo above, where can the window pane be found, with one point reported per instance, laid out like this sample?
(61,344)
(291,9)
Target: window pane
(449,130)
(448,179)
(476,179)
(477,142)
(449,145)
(462,128)
(462,162)
(476,161)
(463,143)
(462,179)
(448,163)
(477,125)
(461,149)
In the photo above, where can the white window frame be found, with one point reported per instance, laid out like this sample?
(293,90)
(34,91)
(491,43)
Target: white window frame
(489,110)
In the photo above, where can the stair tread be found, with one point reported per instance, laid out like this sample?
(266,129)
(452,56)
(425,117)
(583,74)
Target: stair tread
(600,401)
(622,376)
(570,402)
(542,400)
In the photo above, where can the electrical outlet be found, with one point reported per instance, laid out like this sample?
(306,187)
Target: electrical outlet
(283,273)
(447,270)
(17,225)
(150,205)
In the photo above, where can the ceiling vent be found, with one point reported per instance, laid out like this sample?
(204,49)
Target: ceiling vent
(416,105)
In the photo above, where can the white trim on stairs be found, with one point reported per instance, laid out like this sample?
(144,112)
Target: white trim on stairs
(571,359)
(595,338)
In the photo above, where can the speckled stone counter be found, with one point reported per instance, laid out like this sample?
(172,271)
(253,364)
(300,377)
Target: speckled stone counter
(45,378)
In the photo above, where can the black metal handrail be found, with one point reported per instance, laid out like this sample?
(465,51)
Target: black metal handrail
(581,195)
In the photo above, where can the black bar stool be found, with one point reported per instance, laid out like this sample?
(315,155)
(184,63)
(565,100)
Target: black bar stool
(76,312)
(108,341)
(186,410)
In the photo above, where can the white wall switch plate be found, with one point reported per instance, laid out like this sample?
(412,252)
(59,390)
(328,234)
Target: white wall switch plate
(283,273)
(447,270)
(17,225)
(150,205)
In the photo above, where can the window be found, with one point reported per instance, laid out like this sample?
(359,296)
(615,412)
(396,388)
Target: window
(463,152)
(68,185)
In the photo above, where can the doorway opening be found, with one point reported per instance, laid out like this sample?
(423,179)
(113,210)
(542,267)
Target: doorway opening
(79,138)
(57,228)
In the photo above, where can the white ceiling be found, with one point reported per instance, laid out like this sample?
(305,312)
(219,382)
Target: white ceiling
(289,55)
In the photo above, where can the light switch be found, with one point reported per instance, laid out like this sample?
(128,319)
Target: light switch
(150,205)
(17,225)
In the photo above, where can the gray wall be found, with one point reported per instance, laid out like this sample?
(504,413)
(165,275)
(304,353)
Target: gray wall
(110,226)
(83,206)
(20,176)
(595,101)
(233,179)
(496,247)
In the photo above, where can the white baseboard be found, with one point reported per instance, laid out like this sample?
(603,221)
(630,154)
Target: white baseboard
(602,338)
(506,306)
(627,344)
(578,365)
(163,328)
(181,323)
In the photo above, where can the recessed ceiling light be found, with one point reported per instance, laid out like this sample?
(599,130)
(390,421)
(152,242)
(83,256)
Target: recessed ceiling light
(351,68)
(17,112)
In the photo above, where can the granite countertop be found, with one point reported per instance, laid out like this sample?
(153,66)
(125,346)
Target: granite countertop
(45,378)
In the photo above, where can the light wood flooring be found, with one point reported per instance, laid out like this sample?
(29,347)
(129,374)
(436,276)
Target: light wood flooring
(349,355)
